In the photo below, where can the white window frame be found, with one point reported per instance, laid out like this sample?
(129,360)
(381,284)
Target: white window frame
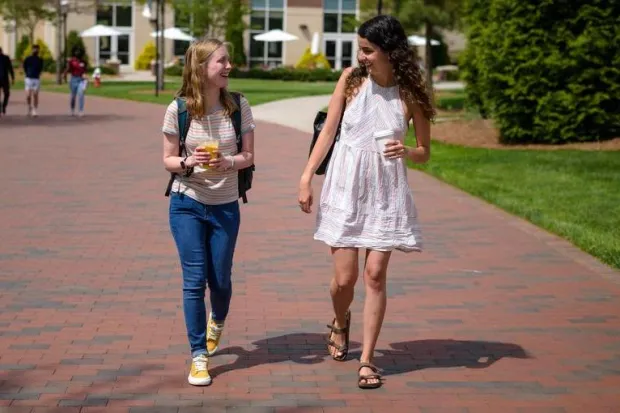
(125,30)
(341,12)
(339,37)
(266,60)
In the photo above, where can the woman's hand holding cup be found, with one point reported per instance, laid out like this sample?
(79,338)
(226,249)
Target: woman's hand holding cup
(394,149)
(202,157)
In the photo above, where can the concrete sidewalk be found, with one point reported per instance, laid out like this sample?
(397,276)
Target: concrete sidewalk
(298,113)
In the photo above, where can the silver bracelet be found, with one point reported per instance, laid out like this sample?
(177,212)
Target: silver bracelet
(232,161)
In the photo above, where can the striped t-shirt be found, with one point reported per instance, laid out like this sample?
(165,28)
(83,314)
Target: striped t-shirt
(210,187)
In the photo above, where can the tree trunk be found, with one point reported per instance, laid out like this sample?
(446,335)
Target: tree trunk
(163,45)
(58,44)
(429,57)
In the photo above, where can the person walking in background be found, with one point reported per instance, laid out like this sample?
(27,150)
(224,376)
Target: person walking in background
(366,201)
(78,82)
(6,70)
(33,66)
(204,191)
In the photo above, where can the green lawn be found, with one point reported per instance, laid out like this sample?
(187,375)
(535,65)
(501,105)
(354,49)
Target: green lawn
(256,91)
(572,193)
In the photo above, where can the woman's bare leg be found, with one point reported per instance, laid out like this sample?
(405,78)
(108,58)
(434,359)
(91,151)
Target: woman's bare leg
(342,288)
(375,275)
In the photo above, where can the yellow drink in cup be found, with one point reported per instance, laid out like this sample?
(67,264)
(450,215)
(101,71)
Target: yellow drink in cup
(212,147)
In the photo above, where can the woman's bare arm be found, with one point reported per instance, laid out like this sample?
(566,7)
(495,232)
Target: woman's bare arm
(422,126)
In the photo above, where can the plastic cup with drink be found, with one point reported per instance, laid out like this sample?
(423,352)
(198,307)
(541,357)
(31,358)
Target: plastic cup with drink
(210,146)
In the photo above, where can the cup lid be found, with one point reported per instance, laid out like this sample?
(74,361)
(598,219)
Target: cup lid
(383,133)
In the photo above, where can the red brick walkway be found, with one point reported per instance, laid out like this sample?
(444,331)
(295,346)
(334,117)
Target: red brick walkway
(495,316)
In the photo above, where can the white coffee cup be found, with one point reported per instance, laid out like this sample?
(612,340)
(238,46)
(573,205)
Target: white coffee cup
(381,138)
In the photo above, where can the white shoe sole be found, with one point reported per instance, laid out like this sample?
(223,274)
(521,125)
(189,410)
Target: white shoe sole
(212,352)
(199,382)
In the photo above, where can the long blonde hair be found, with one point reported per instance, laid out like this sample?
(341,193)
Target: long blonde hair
(197,54)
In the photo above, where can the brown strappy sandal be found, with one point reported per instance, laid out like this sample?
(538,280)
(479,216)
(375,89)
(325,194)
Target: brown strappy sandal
(343,348)
(363,379)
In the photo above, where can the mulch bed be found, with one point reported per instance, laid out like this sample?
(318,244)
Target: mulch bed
(481,133)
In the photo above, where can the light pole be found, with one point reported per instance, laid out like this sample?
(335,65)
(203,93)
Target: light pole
(155,21)
(64,10)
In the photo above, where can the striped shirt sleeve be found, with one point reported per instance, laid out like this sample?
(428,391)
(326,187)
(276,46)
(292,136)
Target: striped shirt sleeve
(247,119)
(171,125)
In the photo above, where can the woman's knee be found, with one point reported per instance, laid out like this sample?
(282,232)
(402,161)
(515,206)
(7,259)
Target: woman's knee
(375,277)
(345,279)
(194,287)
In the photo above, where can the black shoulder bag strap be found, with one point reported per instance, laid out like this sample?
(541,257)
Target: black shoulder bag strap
(183,122)
(236,121)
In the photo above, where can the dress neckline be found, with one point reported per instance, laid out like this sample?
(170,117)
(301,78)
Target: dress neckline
(374,82)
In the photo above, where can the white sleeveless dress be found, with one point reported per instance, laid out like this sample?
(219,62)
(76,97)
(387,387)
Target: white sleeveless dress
(366,201)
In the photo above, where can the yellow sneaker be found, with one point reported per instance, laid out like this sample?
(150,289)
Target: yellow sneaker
(214,334)
(199,373)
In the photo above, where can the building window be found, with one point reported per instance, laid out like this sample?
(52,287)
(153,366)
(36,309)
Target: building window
(266,15)
(339,16)
(184,21)
(118,15)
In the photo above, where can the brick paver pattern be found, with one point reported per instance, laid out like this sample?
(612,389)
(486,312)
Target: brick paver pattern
(494,316)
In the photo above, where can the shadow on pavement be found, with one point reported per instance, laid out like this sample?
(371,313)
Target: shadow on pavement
(403,357)
(415,355)
(55,120)
(300,348)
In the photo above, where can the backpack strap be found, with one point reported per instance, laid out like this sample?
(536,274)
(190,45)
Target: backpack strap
(236,121)
(183,123)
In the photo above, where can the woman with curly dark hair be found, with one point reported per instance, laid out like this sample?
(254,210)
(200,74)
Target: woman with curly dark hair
(366,201)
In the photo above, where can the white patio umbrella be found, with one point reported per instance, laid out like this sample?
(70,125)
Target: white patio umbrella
(416,40)
(275,35)
(174,33)
(98,31)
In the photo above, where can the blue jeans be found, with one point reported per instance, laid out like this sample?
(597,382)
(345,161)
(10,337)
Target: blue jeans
(205,236)
(74,86)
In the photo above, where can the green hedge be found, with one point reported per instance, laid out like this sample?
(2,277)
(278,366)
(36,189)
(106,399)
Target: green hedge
(451,102)
(545,72)
(303,75)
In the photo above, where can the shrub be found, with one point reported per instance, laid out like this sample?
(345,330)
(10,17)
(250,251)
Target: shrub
(453,75)
(302,75)
(451,102)
(176,70)
(310,61)
(21,47)
(143,62)
(73,40)
(546,72)
(49,64)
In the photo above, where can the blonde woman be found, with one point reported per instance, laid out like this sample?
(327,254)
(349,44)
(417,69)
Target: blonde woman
(204,207)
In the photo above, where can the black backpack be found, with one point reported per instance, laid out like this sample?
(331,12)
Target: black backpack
(245,175)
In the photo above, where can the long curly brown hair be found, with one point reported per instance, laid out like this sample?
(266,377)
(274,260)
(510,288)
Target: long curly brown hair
(388,34)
